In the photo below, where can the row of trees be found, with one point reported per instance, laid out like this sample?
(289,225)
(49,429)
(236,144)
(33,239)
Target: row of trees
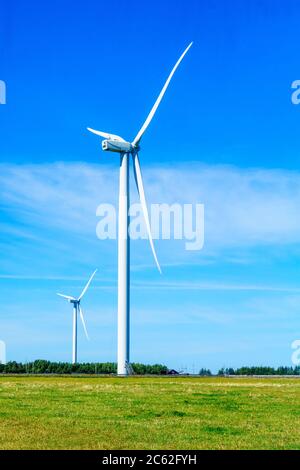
(260,370)
(41,366)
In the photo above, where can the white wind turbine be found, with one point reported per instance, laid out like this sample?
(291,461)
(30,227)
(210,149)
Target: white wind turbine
(114,143)
(77,308)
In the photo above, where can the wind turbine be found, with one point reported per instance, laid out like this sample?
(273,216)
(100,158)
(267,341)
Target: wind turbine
(77,308)
(114,143)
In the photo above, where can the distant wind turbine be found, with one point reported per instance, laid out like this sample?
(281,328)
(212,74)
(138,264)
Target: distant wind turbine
(114,143)
(77,308)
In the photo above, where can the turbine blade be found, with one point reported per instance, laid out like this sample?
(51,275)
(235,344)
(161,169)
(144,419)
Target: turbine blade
(140,188)
(83,323)
(160,97)
(66,296)
(87,285)
(105,135)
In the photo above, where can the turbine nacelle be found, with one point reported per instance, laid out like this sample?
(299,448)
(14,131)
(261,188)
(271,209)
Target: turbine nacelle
(111,145)
(114,143)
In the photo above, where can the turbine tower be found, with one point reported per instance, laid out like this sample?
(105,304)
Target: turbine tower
(77,308)
(114,143)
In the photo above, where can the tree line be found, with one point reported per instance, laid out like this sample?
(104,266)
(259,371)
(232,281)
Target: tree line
(260,370)
(41,366)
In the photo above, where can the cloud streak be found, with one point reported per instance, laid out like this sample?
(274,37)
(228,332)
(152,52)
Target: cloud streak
(244,208)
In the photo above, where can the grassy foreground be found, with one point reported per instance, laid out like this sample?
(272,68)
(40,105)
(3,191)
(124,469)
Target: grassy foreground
(149,413)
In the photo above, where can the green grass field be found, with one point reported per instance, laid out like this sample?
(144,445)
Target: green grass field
(149,413)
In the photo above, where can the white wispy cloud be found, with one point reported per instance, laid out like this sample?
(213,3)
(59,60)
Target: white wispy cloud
(244,208)
(213,286)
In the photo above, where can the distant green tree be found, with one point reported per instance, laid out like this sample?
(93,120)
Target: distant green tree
(205,372)
(154,369)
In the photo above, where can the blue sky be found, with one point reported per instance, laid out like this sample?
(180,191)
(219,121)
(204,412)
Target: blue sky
(226,135)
